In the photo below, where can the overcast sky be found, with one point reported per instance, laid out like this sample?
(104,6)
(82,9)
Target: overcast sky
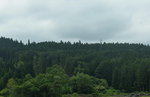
(73,20)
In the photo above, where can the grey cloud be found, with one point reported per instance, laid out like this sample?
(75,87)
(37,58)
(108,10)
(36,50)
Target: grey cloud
(88,20)
(103,23)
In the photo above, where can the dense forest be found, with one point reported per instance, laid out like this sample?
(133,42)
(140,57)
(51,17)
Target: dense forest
(53,69)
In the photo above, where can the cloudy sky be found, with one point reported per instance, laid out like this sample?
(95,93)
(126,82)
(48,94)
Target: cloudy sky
(73,20)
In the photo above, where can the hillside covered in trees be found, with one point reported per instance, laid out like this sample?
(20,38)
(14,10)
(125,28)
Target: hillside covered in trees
(52,69)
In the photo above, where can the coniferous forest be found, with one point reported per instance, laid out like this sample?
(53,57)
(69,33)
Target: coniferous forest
(60,69)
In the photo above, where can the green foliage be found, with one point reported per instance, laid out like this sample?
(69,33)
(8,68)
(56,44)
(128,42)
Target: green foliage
(27,77)
(52,84)
(78,69)
(75,95)
(82,83)
(25,68)
(4,92)
(12,86)
(85,84)
(71,95)
(112,92)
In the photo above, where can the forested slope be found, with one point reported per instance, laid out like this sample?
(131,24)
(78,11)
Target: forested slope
(125,66)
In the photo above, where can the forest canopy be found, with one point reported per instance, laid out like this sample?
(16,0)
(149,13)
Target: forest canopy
(34,69)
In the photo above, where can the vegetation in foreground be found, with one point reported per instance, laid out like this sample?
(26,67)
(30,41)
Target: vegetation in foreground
(54,83)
